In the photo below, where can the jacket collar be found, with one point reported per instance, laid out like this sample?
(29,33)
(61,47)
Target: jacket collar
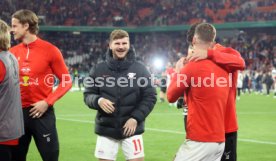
(32,44)
(119,65)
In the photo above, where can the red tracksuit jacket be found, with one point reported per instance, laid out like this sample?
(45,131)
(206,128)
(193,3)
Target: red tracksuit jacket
(38,62)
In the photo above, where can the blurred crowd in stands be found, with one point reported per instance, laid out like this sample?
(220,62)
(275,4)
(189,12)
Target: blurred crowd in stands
(82,50)
(141,13)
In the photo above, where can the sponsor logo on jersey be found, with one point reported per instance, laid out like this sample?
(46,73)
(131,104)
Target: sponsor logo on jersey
(26,81)
(131,75)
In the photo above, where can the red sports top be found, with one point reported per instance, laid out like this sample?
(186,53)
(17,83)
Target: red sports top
(2,76)
(38,62)
(207,104)
(2,71)
(170,71)
(232,61)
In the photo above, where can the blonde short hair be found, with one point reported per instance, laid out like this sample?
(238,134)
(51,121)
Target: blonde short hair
(5,36)
(206,32)
(118,34)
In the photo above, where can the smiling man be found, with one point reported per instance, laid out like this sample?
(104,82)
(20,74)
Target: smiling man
(122,107)
(38,62)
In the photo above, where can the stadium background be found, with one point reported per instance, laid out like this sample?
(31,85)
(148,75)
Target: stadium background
(80,28)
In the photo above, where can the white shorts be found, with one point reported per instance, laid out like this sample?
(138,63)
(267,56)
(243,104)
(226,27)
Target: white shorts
(195,151)
(107,148)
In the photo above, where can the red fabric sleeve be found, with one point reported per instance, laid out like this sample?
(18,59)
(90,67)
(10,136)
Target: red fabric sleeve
(2,71)
(60,70)
(227,58)
(179,83)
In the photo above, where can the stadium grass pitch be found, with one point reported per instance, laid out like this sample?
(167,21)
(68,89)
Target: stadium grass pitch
(164,130)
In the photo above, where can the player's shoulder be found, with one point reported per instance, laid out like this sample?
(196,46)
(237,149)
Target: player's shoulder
(16,47)
(139,67)
(226,49)
(199,63)
(218,46)
(101,64)
(196,67)
(138,63)
(46,44)
(98,68)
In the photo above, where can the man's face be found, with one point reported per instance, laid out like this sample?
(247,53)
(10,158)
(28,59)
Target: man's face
(19,30)
(119,47)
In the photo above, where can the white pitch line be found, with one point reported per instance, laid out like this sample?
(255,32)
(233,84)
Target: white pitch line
(74,120)
(257,113)
(257,141)
(167,114)
(165,131)
(74,115)
(173,132)
(154,113)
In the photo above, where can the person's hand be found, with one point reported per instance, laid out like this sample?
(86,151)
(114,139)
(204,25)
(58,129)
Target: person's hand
(106,105)
(130,127)
(196,54)
(179,64)
(38,109)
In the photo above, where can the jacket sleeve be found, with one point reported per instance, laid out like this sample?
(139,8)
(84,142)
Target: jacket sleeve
(91,91)
(228,58)
(179,83)
(148,98)
(60,70)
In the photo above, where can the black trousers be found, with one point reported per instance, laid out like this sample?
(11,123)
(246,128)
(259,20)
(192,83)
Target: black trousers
(230,151)
(6,152)
(268,87)
(239,91)
(44,132)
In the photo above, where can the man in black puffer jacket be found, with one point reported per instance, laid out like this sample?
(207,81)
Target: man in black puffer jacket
(122,92)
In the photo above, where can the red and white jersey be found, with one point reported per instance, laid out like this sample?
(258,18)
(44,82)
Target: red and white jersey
(207,106)
(169,71)
(39,62)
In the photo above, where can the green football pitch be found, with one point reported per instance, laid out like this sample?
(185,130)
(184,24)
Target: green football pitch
(164,130)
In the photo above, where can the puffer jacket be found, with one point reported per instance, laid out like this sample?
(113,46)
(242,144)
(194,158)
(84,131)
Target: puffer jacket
(134,98)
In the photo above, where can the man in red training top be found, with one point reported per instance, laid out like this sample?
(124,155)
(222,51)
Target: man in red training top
(38,61)
(206,86)
(11,117)
(230,60)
